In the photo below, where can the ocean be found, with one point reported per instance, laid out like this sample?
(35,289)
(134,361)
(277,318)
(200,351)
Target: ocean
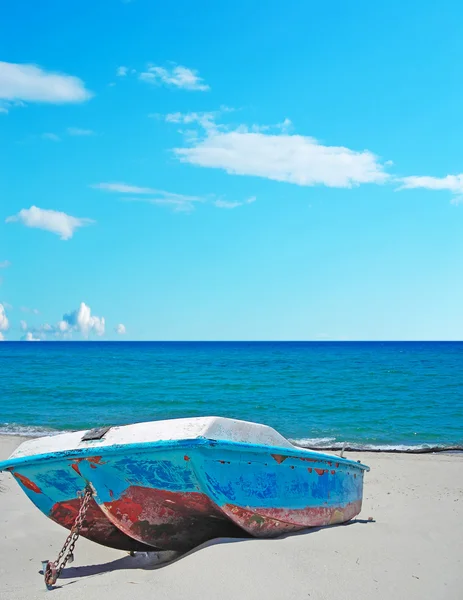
(370,395)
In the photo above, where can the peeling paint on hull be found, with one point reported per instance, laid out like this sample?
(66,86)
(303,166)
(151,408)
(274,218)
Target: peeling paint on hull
(169,520)
(265,522)
(46,488)
(96,526)
(175,484)
(175,501)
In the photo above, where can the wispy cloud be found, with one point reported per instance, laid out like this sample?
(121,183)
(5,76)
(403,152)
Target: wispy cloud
(4,264)
(122,188)
(451,183)
(179,202)
(57,222)
(51,136)
(72,131)
(226,204)
(206,119)
(26,309)
(122,71)
(272,153)
(79,132)
(6,105)
(176,76)
(31,83)
(120,329)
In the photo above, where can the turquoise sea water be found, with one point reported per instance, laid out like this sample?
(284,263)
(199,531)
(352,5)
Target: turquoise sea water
(320,394)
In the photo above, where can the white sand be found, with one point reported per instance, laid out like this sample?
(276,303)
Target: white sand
(414,549)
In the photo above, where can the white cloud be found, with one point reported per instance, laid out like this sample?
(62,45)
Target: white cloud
(123,188)
(282,127)
(51,220)
(226,204)
(5,105)
(4,323)
(79,132)
(82,320)
(29,337)
(179,202)
(205,119)
(453,183)
(282,157)
(177,76)
(33,84)
(4,264)
(62,326)
(51,136)
(2,337)
(122,71)
(120,329)
(23,325)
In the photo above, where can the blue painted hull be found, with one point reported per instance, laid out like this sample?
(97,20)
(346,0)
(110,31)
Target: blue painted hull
(176,495)
(55,488)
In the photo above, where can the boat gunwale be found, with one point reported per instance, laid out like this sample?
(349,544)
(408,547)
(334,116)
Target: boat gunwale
(77,453)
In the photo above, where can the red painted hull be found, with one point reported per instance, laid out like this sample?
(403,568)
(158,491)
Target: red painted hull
(270,522)
(96,526)
(169,520)
(181,521)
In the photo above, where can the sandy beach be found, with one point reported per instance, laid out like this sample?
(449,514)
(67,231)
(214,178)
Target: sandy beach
(412,549)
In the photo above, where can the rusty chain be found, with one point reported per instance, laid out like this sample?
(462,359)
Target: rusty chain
(53,569)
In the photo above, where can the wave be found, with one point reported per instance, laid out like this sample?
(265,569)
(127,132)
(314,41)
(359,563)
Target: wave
(331,445)
(26,430)
(322,443)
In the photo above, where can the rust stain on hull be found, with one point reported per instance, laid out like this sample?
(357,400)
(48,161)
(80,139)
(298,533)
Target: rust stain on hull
(270,522)
(169,520)
(96,527)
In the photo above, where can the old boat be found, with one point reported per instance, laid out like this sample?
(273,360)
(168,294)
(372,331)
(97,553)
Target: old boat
(174,484)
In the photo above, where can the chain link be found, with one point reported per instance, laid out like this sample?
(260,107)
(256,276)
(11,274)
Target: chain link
(54,569)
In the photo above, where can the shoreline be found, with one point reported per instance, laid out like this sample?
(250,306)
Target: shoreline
(336,448)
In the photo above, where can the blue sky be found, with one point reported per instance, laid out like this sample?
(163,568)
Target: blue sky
(220,171)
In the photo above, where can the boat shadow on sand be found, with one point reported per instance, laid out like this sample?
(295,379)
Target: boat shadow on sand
(150,561)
